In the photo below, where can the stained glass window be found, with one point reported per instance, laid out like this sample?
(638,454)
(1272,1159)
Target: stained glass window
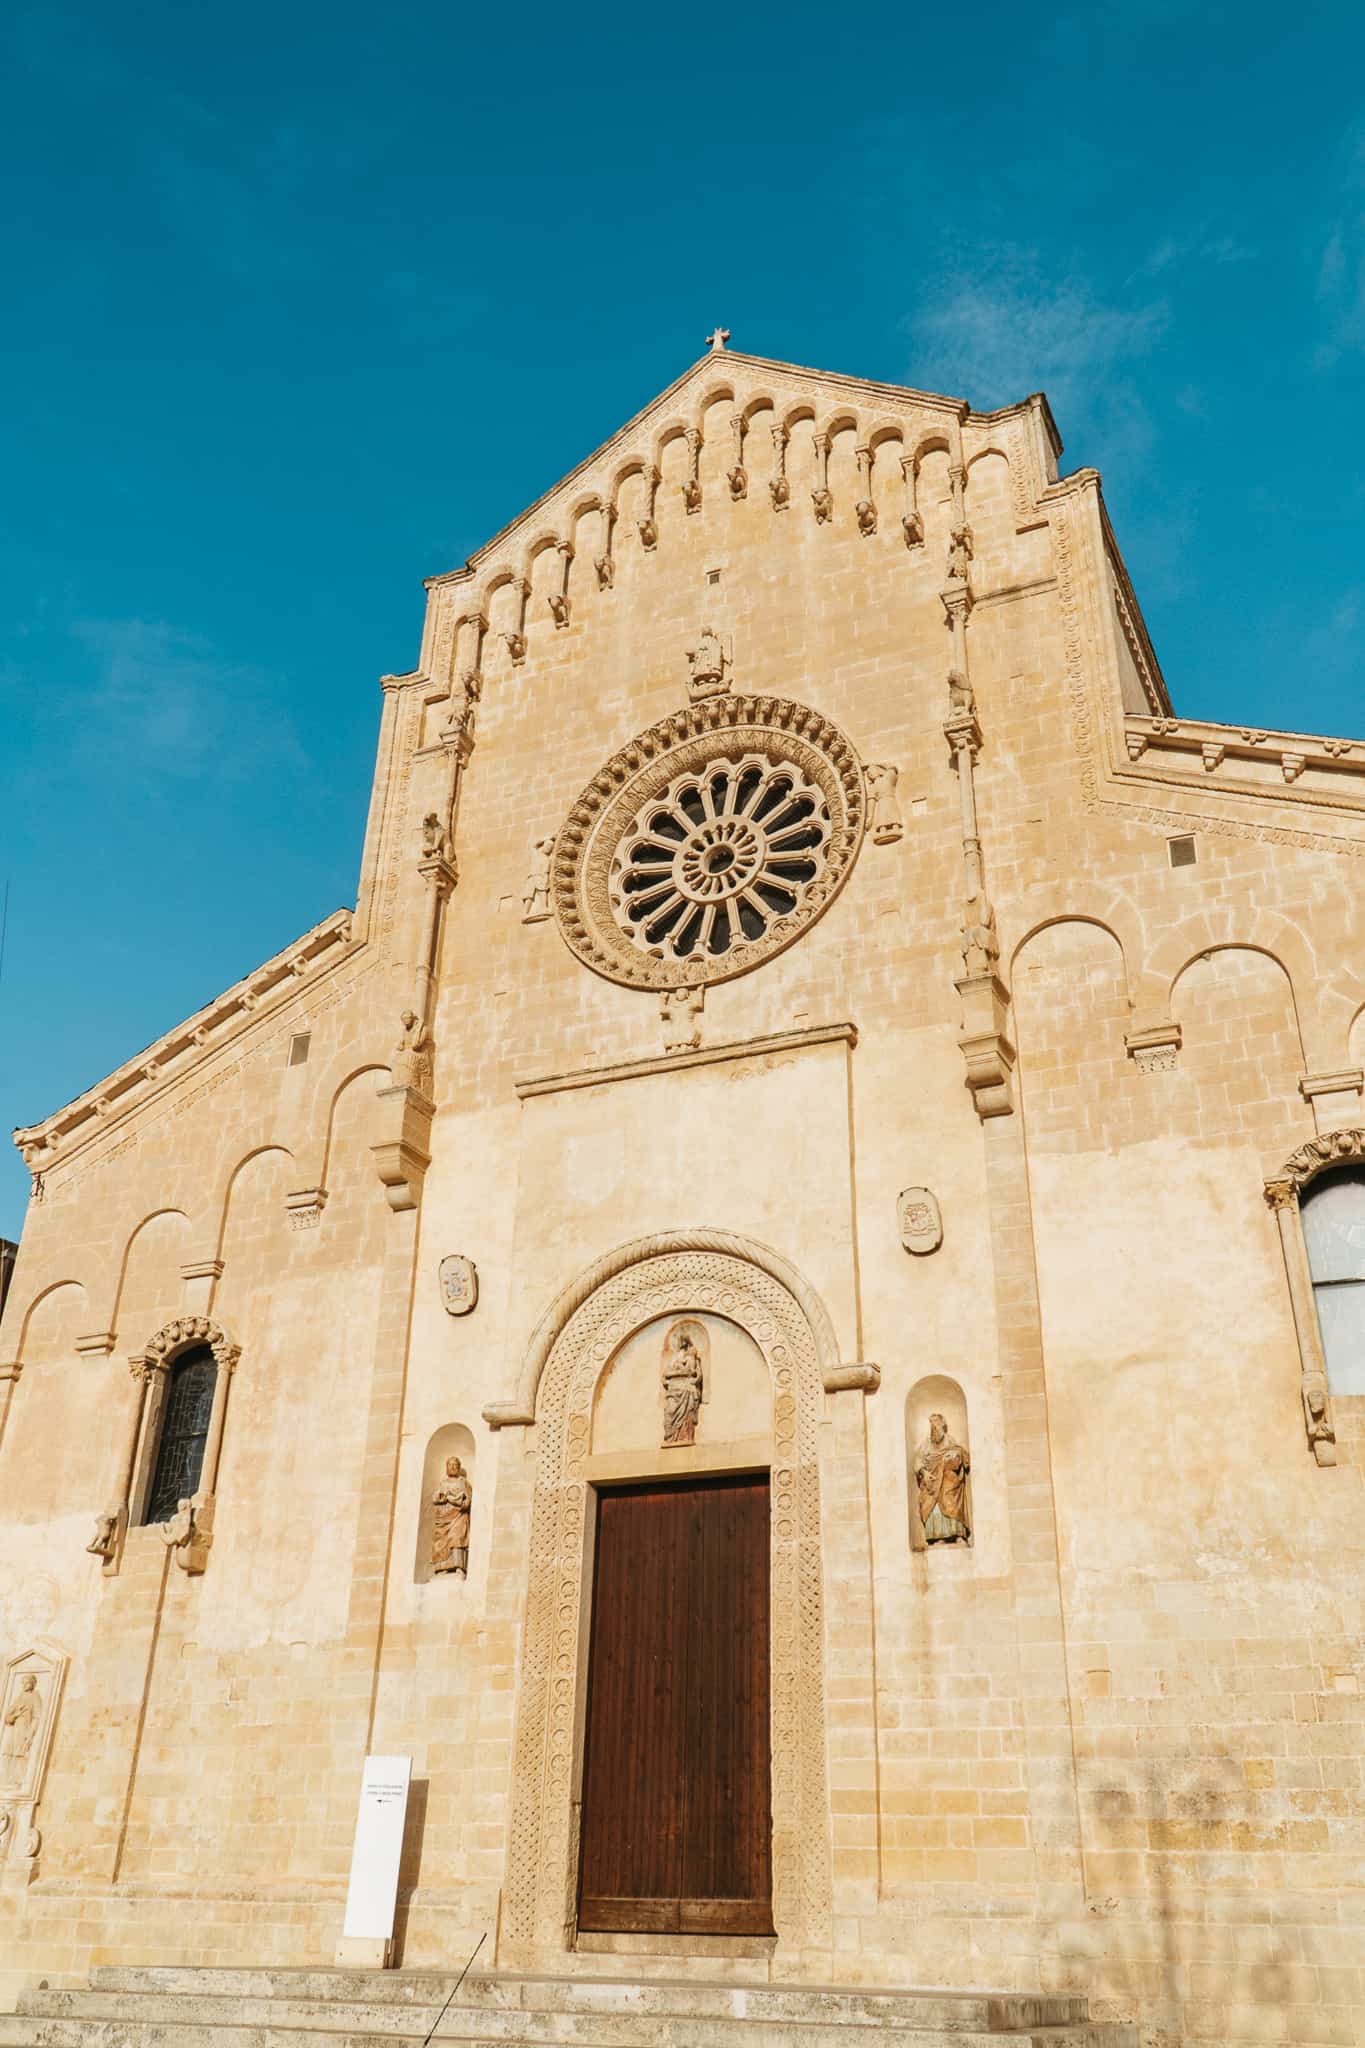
(184,1432)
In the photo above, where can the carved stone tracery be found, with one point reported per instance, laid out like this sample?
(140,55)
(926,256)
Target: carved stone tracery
(706,743)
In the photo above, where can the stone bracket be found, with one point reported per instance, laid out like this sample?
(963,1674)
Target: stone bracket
(401,1159)
(986,1045)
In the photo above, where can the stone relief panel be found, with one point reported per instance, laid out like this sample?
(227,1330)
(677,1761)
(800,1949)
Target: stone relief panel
(446,1516)
(459,1282)
(920,1220)
(29,1698)
(938,1464)
(541,1862)
(629,1413)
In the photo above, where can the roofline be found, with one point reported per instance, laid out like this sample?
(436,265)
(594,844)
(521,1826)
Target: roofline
(958,408)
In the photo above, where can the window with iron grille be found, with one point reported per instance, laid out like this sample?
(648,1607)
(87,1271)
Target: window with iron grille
(184,1432)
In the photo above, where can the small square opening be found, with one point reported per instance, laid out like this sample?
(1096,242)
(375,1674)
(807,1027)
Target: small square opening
(713,575)
(298,1047)
(1182,852)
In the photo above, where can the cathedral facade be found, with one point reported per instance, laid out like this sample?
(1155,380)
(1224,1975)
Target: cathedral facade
(781,1306)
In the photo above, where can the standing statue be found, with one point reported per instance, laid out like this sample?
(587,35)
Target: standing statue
(21,1725)
(410,1062)
(887,822)
(941,1468)
(452,1500)
(683,1385)
(536,894)
(980,940)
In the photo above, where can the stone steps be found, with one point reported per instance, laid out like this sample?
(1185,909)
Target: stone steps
(207,2008)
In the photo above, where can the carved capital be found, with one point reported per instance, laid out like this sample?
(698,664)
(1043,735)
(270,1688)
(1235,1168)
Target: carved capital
(304,1207)
(1281,1194)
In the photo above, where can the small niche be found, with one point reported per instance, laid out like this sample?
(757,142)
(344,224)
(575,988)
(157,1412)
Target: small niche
(451,1440)
(938,1465)
(298,1048)
(1182,852)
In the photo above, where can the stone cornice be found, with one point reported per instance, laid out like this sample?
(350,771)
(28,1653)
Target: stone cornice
(676,1062)
(1245,761)
(169,1058)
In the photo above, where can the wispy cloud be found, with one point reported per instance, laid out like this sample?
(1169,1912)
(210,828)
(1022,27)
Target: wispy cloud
(1007,329)
(1341,266)
(162,703)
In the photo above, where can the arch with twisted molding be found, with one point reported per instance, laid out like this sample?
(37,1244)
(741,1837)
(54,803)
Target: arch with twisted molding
(544,1504)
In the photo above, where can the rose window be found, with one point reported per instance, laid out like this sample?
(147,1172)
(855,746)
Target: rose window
(719,857)
(708,843)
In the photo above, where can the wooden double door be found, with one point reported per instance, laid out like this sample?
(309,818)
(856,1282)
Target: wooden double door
(677,1815)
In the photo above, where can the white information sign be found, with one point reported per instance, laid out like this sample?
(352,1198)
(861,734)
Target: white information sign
(373,1890)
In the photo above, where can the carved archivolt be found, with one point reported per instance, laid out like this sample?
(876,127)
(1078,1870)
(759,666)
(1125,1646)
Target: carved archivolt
(833,1375)
(680,862)
(1337,1148)
(177,1337)
(538,1902)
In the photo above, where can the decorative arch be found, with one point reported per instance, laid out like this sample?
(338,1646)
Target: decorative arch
(166,1346)
(572,1347)
(834,1376)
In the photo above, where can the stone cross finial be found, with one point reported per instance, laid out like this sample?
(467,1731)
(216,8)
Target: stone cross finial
(717,339)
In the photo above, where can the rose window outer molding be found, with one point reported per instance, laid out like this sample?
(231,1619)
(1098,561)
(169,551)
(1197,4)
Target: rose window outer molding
(709,843)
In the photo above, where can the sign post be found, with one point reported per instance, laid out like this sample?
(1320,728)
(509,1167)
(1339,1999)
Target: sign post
(367,1934)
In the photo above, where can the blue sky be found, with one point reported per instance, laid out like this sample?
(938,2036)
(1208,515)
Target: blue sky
(304,302)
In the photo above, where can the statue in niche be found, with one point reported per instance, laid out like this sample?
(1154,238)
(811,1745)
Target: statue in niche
(941,1468)
(453,1500)
(683,1374)
(959,555)
(433,837)
(20,1727)
(536,894)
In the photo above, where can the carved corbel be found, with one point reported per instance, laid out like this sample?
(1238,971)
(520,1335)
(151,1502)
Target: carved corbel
(304,1207)
(866,509)
(986,1045)
(821,497)
(1214,756)
(1282,1196)
(737,476)
(478,622)
(1292,765)
(912,526)
(691,490)
(779,489)
(558,600)
(516,638)
(188,1535)
(402,1158)
(648,527)
(1137,744)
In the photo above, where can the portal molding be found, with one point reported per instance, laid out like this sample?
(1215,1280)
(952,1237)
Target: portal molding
(581,1334)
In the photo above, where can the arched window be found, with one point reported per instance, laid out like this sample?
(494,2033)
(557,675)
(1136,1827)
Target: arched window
(185,1415)
(1333,1210)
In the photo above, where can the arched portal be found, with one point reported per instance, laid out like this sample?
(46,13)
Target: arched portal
(539,1903)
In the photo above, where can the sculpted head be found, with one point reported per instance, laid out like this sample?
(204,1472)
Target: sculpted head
(938,1429)
(454,1469)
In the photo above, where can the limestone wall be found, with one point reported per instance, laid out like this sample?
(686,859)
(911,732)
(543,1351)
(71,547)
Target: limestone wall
(1113,1743)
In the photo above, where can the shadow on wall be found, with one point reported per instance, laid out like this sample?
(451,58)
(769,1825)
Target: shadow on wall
(451,1440)
(1159,1954)
(410,1860)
